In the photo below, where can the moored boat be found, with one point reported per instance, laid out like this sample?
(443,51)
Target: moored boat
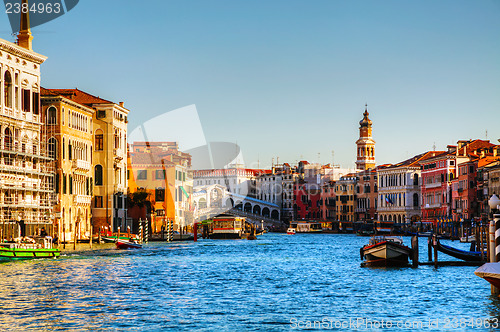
(469,256)
(228,227)
(490,272)
(385,251)
(124,244)
(468,238)
(28,248)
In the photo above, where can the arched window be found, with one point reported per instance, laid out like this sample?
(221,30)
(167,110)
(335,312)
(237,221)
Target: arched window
(7,139)
(51,115)
(52,148)
(415,179)
(98,175)
(415,200)
(7,89)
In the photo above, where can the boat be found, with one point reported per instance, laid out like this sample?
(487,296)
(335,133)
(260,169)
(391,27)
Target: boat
(182,237)
(385,251)
(228,227)
(112,238)
(469,256)
(490,272)
(384,226)
(468,238)
(290,231)
(306,227)
(124,244)
(365,232)
(28,248)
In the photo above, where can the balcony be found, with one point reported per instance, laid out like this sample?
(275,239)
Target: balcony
(432,185)
(82,199)
(81,165)
(432,206)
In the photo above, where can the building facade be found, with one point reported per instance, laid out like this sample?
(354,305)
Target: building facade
(26,169)
(345,200)
(366,196)
(70,139)
(165,174)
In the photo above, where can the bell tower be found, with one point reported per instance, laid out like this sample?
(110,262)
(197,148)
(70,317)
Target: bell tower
(365,144)
(24,37)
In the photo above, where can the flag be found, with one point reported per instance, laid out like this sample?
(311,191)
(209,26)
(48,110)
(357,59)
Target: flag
(388,200)
(184,191)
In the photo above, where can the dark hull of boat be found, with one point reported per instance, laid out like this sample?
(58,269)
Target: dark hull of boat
(469,256)
(494,281)
(401,262)
(120,244)
(225,236)
(386,253)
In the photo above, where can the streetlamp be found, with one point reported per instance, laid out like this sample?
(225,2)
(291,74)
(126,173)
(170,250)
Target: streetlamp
(494,204)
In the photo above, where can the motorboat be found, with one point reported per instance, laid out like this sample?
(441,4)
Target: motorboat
(290,231)
(124,244)
(385,251)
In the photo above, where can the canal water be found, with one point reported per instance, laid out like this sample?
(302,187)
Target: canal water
(276,283)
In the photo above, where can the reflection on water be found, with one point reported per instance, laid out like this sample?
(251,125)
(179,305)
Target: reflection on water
(230,285)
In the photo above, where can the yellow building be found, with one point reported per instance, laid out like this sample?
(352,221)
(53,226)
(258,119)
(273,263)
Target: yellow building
(108,155)
(165,174)
(345,196)
(69,131)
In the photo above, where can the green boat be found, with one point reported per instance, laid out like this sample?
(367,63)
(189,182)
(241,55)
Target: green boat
(123,236)
(40,248)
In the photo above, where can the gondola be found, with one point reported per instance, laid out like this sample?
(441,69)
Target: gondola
(469,256)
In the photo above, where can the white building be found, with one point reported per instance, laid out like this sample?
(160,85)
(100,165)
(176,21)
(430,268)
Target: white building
(237,180)
(26,173)
(399,193)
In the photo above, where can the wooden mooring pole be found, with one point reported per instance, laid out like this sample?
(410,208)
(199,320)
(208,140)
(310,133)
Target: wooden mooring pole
(434,244)
(429,248)
(414,248)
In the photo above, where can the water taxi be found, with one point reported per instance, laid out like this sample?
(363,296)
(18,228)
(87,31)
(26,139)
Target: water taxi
(306,227)
(227,227)
(290,231)
(28,248)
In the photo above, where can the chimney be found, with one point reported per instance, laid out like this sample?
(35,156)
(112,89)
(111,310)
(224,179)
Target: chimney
(465,151)
(121,103)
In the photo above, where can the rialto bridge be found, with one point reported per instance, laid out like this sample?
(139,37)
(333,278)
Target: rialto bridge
(215,199)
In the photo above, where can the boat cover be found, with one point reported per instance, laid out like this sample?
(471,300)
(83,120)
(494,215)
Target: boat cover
(491,270)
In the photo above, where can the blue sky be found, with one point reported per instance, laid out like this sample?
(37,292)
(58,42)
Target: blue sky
(289,79)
